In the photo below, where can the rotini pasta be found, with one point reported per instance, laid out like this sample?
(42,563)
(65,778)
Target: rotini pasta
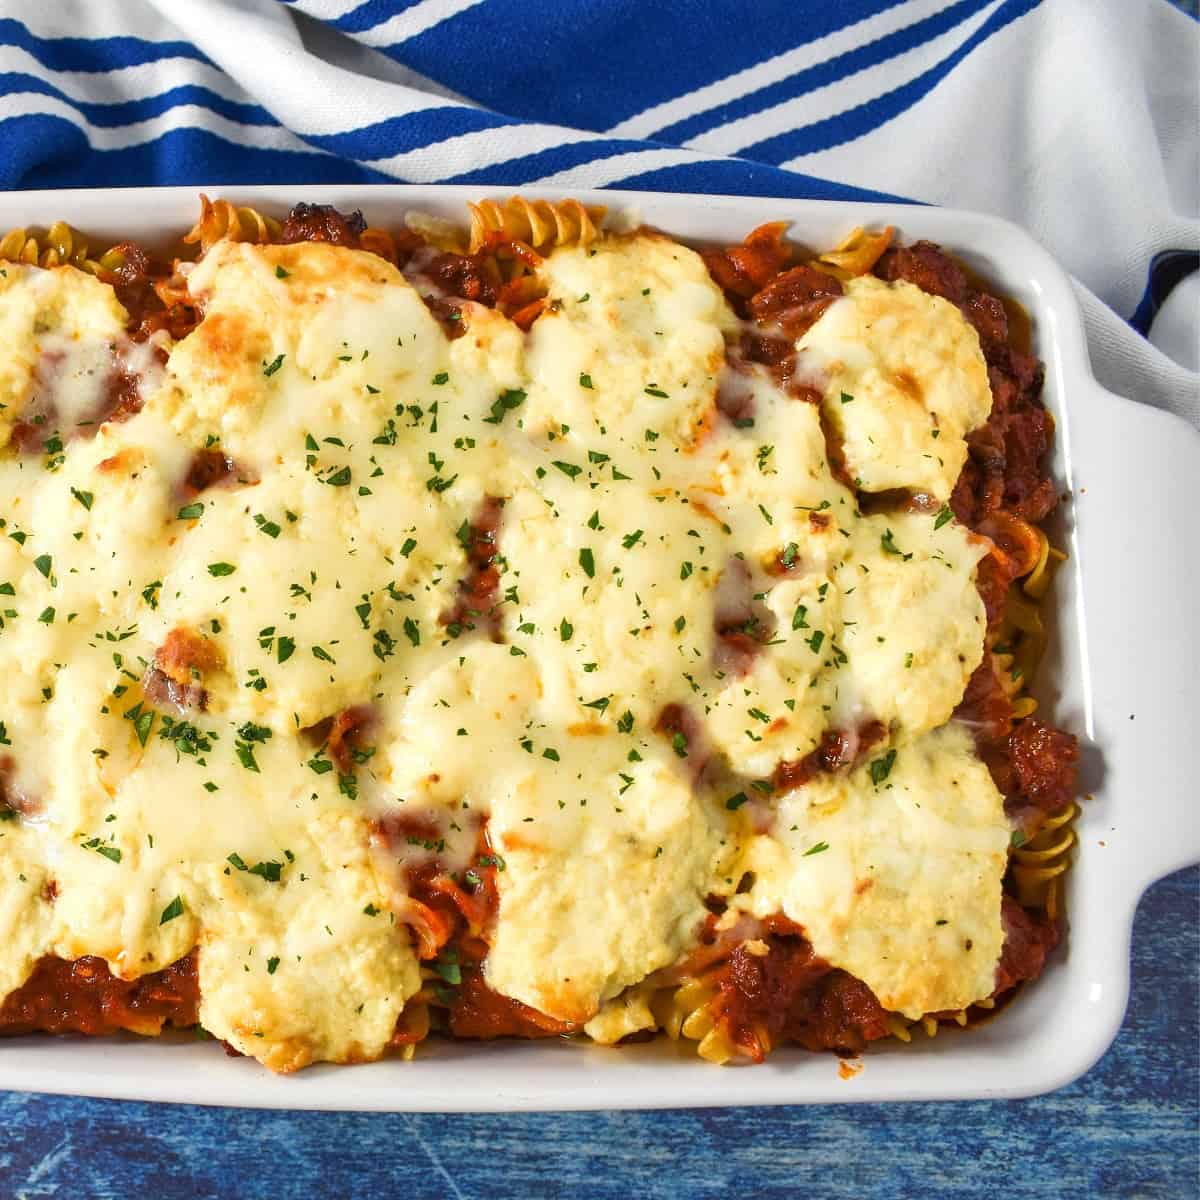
(857,253)
(222,221)
(59,246)
(540,224)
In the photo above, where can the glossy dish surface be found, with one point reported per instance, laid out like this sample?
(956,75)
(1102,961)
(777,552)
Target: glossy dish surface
(810,229)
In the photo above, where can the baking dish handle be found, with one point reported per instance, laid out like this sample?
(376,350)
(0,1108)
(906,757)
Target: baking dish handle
(1137,541)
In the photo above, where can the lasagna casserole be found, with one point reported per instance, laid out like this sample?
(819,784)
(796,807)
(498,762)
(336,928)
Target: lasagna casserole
(530,629)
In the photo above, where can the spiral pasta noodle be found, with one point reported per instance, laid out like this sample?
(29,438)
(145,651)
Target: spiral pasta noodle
(540,224)
(856,254)
(221,220)
(1039,863)
(61,245)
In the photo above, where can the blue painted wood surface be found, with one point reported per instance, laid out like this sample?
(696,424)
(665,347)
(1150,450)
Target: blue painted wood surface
(1130,1128)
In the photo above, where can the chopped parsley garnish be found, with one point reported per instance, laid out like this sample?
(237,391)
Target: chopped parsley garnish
(218,569)
(273,366)
(84,498)
(881,768)
(44,562)
(268,527)
(944,515)
(587,562)
(888,542)
(173,910)
(112,853)
(585,381)
(505,402)
(736,801)
(143,720)
(190,512)
(819,848)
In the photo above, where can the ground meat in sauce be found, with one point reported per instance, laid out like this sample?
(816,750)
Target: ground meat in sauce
(793,995)
(1044,762)
(477,601)
(209,468)
(347,732)
(794,301)
(322,223)
(180,664)
(83,996)
(1028,938)
(480,1013)
(132,277)
(837,750)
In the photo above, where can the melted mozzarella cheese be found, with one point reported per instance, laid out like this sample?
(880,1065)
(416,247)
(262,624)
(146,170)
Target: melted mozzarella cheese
(895,881)
(906,382)
(641,534)
(59,329)
(606,860)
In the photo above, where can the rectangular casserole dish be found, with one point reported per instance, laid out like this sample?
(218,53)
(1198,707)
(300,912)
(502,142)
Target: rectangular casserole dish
(1118,674)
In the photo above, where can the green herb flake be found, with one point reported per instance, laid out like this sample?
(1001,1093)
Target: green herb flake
(504,403)
(881,768)
(273,366)
(173,910)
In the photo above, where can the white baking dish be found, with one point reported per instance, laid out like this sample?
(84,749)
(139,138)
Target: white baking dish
(1122,674)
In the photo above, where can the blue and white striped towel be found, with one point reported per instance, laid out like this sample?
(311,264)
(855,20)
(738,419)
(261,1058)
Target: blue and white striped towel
(1075,118)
